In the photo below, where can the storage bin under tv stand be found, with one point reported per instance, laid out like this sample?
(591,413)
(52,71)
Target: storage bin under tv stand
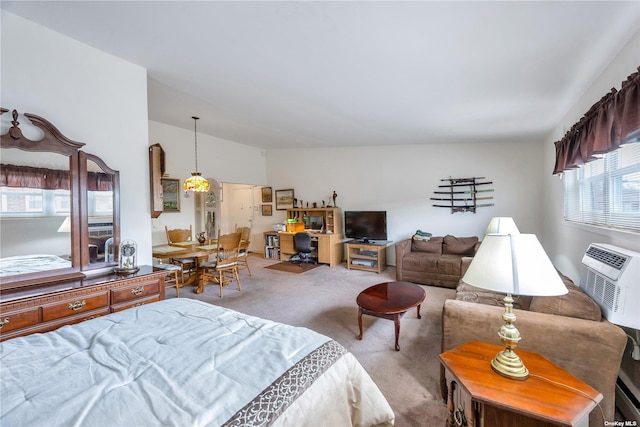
(368,256)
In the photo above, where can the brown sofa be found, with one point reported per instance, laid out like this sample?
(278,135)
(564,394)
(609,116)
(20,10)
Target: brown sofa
(568,330)
(437,261)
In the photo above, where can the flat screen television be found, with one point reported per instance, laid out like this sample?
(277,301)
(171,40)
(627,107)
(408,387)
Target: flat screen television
(365,225)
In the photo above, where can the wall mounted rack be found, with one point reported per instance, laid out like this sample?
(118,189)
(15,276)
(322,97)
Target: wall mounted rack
(463,194)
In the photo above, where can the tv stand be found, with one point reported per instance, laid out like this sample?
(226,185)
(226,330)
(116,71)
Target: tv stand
(368,255)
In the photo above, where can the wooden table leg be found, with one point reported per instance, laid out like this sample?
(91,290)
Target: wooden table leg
(360,322)
(396,320)
(199,275)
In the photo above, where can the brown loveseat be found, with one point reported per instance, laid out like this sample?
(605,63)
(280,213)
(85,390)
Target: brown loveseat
(437,261)
(567,329)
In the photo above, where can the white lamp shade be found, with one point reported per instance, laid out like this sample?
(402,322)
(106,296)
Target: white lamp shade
(501,225)
(65,227)
(516,264)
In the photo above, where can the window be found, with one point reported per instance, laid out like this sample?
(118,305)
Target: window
(100,203)
(34,202)
(606,191)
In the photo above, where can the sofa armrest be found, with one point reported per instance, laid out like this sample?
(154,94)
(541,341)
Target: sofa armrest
(402,248)
(589,350)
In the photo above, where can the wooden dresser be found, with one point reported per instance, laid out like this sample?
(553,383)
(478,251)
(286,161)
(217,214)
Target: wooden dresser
(48,307)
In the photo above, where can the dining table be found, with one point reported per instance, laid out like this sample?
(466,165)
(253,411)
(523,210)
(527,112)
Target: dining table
(190,249)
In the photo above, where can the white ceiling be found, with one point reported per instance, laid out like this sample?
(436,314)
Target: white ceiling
(311,74)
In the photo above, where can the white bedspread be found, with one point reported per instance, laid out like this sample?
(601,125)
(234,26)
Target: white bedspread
(22,264)
(181,362)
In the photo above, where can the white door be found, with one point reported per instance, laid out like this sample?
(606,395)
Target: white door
(241,207)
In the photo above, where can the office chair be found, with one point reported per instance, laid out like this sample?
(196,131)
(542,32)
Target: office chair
(302,244)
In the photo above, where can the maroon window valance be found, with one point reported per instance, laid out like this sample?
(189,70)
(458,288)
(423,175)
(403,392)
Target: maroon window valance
(603,128)
(30,177)
(49,179)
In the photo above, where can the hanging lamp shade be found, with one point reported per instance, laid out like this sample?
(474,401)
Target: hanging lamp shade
(196,182)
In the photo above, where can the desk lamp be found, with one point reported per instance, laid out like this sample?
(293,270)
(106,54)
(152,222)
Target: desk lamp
(513,264)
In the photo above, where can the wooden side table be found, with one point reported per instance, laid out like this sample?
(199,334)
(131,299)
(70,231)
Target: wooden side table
(480,397)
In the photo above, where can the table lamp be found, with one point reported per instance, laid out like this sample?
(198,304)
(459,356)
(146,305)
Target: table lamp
(65,227)
(513,264)
(501,225)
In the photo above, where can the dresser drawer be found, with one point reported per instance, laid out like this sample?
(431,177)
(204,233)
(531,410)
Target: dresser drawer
(50,326)
(135,303)
(13,320)
(74,306)
(138,290)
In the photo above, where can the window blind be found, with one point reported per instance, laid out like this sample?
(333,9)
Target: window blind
(606,191)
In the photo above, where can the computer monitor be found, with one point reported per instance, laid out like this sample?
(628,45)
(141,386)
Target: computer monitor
(314,223)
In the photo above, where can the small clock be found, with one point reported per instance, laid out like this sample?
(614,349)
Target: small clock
(127,259)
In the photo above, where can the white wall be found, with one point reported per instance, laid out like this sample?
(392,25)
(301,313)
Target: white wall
(91,97)
(402,179)
(223,160)
(566,242)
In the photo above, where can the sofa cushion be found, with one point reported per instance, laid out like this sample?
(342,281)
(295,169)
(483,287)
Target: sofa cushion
(449,264)
(459,245)
(431,246)
(421,261)
(575,303)
(466,292)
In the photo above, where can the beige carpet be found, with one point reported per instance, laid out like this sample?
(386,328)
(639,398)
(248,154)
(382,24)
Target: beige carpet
(323,299)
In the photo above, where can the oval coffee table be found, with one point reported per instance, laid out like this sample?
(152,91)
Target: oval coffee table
(389,300)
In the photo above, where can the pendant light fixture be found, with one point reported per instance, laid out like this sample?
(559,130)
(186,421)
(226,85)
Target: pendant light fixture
(196,182)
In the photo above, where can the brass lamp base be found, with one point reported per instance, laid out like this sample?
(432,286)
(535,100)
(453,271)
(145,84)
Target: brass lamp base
(508,364)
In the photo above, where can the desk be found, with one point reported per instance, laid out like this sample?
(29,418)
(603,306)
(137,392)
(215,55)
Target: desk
(329,247)
(188,250)
(482,397)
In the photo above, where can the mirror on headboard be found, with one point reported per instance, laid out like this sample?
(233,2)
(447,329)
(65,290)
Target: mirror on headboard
(54,199)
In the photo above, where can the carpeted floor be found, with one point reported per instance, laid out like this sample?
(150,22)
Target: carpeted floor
(323,299)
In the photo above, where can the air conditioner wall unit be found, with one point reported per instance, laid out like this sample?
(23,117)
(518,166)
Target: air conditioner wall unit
(612,279)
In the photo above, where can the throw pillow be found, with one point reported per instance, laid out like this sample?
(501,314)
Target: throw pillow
(431,246)
(573,304)
(459,245)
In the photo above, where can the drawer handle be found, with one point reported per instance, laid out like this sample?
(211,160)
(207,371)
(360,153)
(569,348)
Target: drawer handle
(137,291)
(4,322)
(78,305)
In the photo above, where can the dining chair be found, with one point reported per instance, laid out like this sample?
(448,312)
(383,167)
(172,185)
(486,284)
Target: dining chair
(245,240)
(223,268)
(171,278)
(178,235)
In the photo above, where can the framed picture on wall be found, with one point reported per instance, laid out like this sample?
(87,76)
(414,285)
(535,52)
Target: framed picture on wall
(267,210)
(267,195)
(170,195)
(284,199)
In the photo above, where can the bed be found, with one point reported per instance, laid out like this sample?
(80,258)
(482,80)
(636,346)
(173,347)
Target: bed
(23,264)
(182,362)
